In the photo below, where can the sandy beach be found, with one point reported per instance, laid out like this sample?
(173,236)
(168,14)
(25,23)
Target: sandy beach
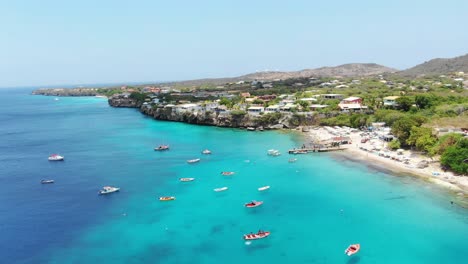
(374,151)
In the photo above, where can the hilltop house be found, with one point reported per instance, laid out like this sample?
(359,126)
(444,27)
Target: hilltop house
(272,108)
(330,96)
(255,109)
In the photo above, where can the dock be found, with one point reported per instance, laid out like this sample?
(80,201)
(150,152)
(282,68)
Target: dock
(312,150)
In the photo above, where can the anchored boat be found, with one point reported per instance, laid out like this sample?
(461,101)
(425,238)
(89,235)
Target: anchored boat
(264,188)
(166,198)
(206,152)
(47,181)
(253,204)
(186,179)
(352,249)
(108,189)
(260,234)
(221,189)
(193,161)
(162,147)
(227,173)
(56,157)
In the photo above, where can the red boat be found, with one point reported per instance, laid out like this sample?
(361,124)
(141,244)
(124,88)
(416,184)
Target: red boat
(253,204)
(352,249)
(260,234)
(227,173)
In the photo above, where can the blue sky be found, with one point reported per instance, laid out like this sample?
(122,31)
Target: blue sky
(77,42)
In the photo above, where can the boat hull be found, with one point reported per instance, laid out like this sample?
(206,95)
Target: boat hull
(352,249)
(256,204)
(256,236)
(165,199)
(264,188)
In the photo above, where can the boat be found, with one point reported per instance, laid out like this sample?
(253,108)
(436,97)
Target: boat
(253,204)
(56,157)
(300,151)
(221,189)
(108,189)
(292,160)
(251,129)
(264,188)
(260,234)
(206,152)
(352,249)
(227,173)
(186,179)
(193,161)
(162,147)
(47,181)
(166,198)
(273,152)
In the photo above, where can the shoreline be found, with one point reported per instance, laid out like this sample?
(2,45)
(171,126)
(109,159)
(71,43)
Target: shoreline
(458,185)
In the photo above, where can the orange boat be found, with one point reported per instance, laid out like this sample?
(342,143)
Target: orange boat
(227,173)
(253,204)
(352,249)
(166,198)
(260,234)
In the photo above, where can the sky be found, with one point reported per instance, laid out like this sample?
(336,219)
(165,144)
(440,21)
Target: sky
(114,41)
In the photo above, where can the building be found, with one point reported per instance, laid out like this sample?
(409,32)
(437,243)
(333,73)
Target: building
(351,104)
(390,101)
(352,100)
(255,109)
(272,108)
(331,96)
(315,107)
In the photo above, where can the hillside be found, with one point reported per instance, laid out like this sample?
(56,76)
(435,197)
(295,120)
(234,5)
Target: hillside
(438,67)
(345,70)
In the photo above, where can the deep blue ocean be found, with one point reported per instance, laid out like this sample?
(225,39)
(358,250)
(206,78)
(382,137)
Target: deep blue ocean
(315,208)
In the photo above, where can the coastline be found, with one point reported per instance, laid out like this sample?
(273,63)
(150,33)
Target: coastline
(432,173)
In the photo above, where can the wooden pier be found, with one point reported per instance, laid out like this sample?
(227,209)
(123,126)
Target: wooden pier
(312,150)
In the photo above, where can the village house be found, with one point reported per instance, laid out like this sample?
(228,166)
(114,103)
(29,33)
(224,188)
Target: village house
(330,96)
(255,109)
(390,101)
(267,98)
(310,100)
(245,94)
(272,108)
(187,108)
(315,107)
(351,104)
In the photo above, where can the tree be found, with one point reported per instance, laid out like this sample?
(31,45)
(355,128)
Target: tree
(422,101)
(394,144)
(402,128)
(422,139)
(404,103)
(304,104)
(224,101)
(455,156)
(446,141)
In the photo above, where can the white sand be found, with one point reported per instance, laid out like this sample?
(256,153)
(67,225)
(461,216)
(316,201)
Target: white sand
(432,173)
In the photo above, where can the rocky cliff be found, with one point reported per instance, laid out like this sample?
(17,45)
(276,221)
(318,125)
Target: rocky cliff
(209,118)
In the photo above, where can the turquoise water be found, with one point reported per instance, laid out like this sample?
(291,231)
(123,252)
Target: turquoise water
(315,208)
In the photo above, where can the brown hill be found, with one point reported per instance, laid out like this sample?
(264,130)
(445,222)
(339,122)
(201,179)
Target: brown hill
(438,67)
(345,70)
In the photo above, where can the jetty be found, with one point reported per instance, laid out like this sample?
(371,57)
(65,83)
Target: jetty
(312,150)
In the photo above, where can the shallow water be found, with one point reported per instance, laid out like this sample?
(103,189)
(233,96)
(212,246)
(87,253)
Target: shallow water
(315,208)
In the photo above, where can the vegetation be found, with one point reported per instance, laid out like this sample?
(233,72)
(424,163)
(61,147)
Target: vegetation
(456,156)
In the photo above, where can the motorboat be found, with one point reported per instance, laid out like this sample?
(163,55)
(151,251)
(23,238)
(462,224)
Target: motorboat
(352,249)
(193,161)
(259,235)
(264,188)
(292,160)
(186,179)
(47,181)
(206,152)
(273,152)
(222,189)
(56,157)
(253,204)
(108,189)
(166,198)
(300,151)
(162,147)
(227,173)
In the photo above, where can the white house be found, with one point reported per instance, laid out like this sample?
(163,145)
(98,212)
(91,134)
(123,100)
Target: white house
(272,108)
(390,100)
(255,109)
(310,100)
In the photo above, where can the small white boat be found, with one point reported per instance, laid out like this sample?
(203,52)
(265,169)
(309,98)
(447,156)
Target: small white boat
(193,161)
(292,160)
(56,99)
(47,181)
(56,157)
(264,188)
(166,198)
(273,152)
(108,189)
(186,179)
(206,152)
(221,189)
